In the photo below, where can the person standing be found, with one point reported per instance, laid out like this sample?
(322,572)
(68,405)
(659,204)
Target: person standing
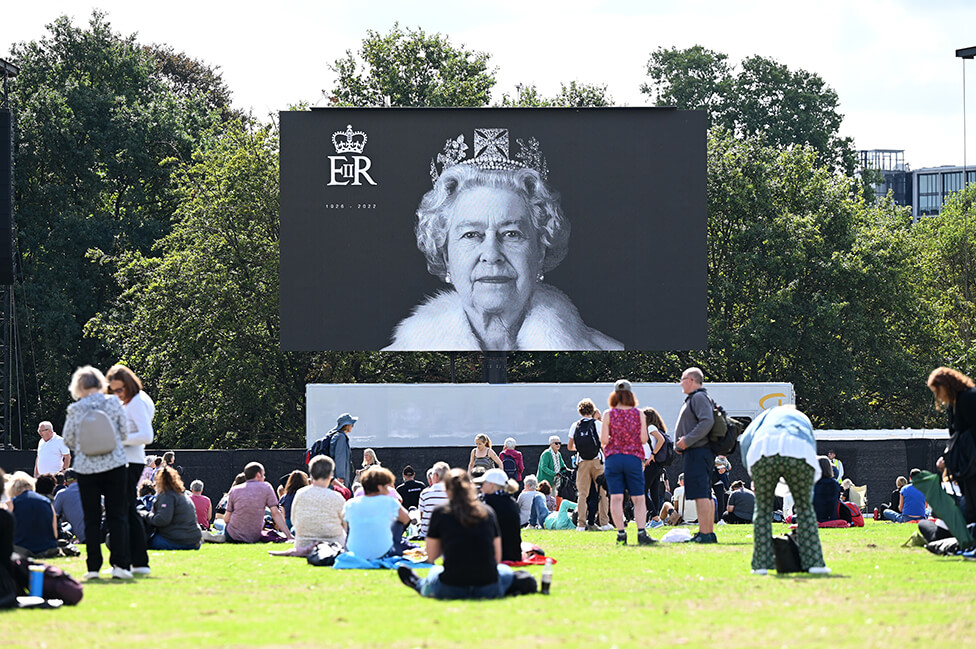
(53,455)
(338,447)
(584,440)
(694,423)
(779,443)
(139,412)
(551,463)
(623,435)
(837,467)
(955,392)
(101,476)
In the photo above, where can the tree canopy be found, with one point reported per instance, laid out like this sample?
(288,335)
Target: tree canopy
(764,97)
(99,133)
(412,68)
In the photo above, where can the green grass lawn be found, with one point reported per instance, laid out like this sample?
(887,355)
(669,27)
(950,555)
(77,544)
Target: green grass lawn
(879,595)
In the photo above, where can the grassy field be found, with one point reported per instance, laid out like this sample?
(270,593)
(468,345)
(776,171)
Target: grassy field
(879,595)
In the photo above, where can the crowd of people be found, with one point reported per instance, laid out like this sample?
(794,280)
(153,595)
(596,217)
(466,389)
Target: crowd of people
(96,485)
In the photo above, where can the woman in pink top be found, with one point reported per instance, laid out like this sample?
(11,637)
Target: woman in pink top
(623,435)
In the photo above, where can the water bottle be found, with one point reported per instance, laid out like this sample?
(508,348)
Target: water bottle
(36,581)
(546,576)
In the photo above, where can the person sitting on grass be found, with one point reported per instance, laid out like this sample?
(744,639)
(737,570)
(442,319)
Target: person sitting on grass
(532,504)
(498,489)
(173,518)
(370,517)
(202,504)
(826,492)
(894,500)
(244,518)
(911,504)
(296,480)
(465,533)
(741,504)
(36,533)
(546,490)
(317,510)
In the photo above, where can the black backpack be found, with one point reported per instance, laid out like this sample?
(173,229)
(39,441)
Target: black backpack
(587,439)
(322,446)
(665,457)
(510,467)
(723,438)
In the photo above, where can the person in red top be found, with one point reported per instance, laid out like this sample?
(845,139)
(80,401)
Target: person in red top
(516,457)
(203,505)
(623,435)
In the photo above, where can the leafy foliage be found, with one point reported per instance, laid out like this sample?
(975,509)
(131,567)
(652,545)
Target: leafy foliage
(98,136)
(575,95)
(201,320)
(765,98)
(412,68)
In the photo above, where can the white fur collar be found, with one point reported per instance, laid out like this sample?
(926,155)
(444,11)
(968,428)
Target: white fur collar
(551,323)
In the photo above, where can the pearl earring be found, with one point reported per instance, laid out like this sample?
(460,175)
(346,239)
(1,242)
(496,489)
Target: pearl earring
(541,277)
(447,278)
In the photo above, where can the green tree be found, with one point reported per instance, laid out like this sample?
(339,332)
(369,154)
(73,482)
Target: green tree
(764,97)
(947,244)
(98,132)
(808,283)
(412,68)
(192,78)
(200,321)
(574,95)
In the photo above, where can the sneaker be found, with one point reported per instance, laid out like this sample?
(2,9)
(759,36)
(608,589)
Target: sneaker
(590,527)
(581,529)
(622,537)
(140,570)
(121,573)
(409,577)
(819,570)
(654,524)
(607,527)
(762,572)
(704,538)
(91,575)
(644,539)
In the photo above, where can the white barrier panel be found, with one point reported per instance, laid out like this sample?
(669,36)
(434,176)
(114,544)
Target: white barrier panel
(451,414)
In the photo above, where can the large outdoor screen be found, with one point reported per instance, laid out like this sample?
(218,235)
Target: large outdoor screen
(503,229)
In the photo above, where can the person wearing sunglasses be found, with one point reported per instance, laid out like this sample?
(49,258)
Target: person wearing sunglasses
(551,463)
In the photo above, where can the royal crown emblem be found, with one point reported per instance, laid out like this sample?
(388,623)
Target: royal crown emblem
(349,141)
(490,153)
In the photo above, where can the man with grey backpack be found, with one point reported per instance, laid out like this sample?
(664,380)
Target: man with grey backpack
(94,431)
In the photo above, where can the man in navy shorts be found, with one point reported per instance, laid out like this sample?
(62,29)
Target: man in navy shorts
(694,422)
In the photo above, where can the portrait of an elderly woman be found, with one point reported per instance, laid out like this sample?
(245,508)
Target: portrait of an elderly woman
(490,229)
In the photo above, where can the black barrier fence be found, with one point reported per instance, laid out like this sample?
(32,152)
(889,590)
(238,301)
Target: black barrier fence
(873,463)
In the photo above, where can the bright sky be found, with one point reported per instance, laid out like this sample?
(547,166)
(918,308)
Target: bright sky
(891,62)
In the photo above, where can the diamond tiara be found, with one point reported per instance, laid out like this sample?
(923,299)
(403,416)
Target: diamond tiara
(490,153)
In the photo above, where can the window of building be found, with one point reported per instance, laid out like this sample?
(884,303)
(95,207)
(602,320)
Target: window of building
(929,196)
(952,182)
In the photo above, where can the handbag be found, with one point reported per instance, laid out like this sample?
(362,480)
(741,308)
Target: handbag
(786,553)
(960,455)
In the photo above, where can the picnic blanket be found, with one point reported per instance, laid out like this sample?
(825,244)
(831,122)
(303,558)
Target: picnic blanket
(349,561)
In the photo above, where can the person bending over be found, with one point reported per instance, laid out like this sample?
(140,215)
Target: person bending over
(465,533)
